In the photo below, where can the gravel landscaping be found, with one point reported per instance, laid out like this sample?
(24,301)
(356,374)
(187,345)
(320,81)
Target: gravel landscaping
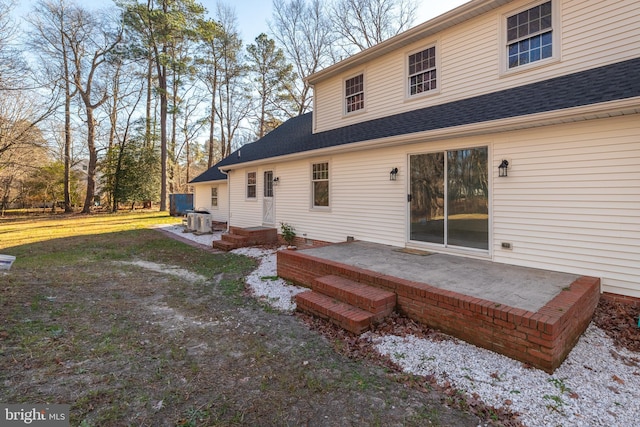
(598,384)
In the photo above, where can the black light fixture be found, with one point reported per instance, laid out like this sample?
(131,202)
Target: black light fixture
(393,174)
(502,169)
(276,180)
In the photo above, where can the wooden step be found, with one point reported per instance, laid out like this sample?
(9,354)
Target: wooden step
(377,301)
(345,315)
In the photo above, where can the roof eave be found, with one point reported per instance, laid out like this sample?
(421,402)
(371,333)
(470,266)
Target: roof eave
(593,111)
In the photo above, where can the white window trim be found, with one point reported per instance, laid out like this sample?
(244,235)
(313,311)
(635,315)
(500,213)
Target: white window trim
(556,32)
(407,86)
(344,94)
(246,186)
(456,250)
(217,206)
(313,207)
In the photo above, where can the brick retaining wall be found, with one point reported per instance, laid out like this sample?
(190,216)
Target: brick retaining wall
(542,339)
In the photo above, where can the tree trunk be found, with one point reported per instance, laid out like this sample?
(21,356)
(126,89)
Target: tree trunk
(147,133)
(93,161)
(211,131)
(162,82)
(67,130)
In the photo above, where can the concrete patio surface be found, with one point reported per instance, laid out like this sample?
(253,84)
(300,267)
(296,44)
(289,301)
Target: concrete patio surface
(521,287)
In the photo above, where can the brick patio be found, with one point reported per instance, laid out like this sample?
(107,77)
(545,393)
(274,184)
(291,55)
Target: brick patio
(542,338)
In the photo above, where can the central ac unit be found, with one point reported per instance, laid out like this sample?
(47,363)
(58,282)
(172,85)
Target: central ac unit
(191,221)
(203,223)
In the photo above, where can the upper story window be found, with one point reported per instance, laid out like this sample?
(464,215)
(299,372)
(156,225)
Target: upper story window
(422,71)
(530,35)
(251,185)
(354,93)
(320,182)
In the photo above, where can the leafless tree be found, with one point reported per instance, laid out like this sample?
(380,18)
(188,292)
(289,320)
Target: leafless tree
(49,21)
(303,30)
(365,23)
(21,144)
(209,62)
(91,40)
(12,64)
(234,97)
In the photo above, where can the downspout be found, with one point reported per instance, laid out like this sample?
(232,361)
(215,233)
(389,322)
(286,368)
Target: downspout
(228,198)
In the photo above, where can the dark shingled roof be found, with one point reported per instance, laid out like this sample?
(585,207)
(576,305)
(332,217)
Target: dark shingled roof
(211,174)
(609,83)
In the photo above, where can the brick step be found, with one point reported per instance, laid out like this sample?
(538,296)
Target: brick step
(377,301)
(262,234)
(225,245)
(234,238)
(345,315)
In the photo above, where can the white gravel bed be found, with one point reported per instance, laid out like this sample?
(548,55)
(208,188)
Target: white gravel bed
(265,284)
(593,387)
(597,385)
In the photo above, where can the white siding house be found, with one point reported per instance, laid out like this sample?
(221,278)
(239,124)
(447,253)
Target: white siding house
(549,88)
(211,194)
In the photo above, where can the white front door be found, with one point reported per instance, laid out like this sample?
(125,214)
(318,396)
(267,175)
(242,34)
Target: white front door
(268,214)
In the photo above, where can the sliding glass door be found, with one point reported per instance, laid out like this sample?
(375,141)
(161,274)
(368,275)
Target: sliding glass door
(449,200)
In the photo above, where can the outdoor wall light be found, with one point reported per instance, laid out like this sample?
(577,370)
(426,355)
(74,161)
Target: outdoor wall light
(502,169)
(276,180)
(393,174)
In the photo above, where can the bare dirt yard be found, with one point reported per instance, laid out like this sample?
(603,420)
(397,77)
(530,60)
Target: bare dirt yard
(131,327)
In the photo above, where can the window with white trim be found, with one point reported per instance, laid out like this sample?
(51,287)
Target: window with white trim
(251,185)
(320,184)
(530,35)
(214,197)
(422,71)
(354,93)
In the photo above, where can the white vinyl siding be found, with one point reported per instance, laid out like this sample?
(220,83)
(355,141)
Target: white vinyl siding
(592,34)
(572,200)
(244,212)
(202,199)
(365,204)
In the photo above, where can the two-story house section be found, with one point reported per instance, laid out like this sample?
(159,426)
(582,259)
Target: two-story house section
(502,130)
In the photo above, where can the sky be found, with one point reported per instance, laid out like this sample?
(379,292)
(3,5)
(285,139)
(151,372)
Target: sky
(253,14)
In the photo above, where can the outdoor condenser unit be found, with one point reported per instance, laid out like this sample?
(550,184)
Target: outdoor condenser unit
(203,223)
(191,221)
